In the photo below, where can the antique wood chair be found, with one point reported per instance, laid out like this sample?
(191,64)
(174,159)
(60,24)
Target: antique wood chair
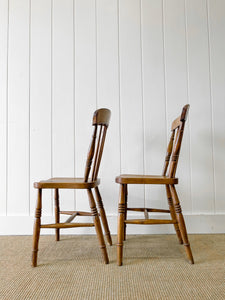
(168,179)
(100,122)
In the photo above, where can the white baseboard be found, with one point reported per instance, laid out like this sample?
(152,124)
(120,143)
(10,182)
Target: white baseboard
(23,225)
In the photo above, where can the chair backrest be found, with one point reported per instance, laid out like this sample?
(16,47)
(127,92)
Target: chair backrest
(100,122)
(173,149)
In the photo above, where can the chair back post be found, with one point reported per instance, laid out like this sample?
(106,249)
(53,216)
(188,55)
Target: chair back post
(90,155)
(98,155)
(168,154)
(174,146)
(101,119)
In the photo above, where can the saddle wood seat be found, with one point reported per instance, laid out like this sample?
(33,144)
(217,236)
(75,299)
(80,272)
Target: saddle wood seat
(66,183)
(145,179)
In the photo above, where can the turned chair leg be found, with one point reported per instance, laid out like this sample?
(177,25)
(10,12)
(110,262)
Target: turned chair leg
(121,218)
(57,236)
(37,226)
(103,216)
(98,227)
(181,223)
(173,213)
(125,214)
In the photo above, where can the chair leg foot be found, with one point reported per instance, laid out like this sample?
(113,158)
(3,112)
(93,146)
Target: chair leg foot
(189,253)
(121,218)
(34,258)
(105,255)
(119,254)
(103,216)
(181,224)
(98,227)
(57,234)
(37,226)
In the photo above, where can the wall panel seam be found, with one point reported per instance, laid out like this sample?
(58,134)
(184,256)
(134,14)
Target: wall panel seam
(51,100)
(211,106)
(119,81)
(188,98)
(29,95)
(74,105)
(74,99)
(164,68)
(7,111)
(96,57)
(142,96)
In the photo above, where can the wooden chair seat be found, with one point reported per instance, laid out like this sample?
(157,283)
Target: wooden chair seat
(66,183)
(169,180)
(100,122)
(145,179)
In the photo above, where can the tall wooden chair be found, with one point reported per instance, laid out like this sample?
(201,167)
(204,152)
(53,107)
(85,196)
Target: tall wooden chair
(169,180)
(100,122)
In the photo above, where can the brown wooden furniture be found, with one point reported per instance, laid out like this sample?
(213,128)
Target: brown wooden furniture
(100,122)
(168,179)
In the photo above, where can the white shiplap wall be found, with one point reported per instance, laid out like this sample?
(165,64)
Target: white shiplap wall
(143,59)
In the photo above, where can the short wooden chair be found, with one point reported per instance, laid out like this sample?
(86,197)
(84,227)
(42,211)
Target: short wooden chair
(100,122)
(169,180)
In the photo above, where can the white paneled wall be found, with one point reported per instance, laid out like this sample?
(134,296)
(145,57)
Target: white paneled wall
(143,59)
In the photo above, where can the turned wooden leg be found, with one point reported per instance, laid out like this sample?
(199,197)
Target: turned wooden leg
(181,223)
(125,214)
(103,216)
(120,226)
(173,213)
(57,213)
(37,225)
(98,227)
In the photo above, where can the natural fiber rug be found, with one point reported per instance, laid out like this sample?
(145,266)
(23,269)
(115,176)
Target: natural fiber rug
(155,267)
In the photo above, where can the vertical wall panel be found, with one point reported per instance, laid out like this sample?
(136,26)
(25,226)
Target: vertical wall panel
(63,96)
(200,114)
(108,96)
(154,97)
(132,148)
(3,102)
(176,87)
(40,100)
(18,109)
(216,9)
(85,86)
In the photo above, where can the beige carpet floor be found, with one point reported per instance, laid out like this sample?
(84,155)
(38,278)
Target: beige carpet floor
(155,267)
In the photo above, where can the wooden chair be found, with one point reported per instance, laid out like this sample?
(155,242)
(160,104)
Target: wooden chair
(169,180)
(100,122)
